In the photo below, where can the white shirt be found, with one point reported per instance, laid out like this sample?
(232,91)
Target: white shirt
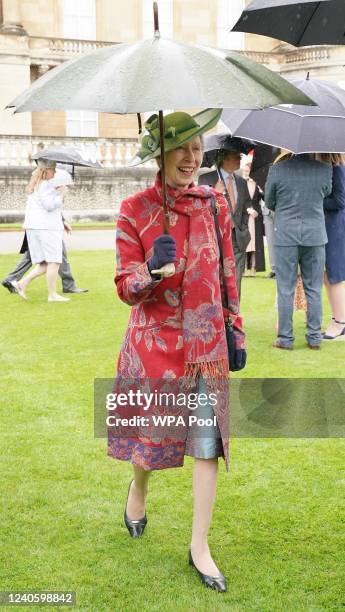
(43,208)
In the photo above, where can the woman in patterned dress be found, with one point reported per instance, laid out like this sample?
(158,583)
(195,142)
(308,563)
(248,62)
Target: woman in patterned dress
(176,328)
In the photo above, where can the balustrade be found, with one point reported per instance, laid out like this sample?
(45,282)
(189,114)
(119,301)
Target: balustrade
(112,153)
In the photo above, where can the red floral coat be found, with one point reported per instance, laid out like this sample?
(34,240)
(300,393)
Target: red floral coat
(153,343)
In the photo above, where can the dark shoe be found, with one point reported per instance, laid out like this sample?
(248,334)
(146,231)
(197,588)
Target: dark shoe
(277,344)
(217,583)
(8,285)
(340,336)
(271,275)
(314,347)
(135,528)
(75,290)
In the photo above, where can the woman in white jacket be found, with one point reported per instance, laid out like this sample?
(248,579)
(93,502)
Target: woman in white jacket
(44,228)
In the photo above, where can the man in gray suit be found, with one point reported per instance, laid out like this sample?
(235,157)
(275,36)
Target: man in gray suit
(295,190)
(239,200)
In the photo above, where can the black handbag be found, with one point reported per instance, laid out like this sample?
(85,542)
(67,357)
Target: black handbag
(229,330)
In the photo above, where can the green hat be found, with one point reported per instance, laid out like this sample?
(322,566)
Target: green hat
(179,127)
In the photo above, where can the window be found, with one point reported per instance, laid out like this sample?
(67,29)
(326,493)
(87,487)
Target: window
(82,123)
(79,21)
(166,18)
(228,13)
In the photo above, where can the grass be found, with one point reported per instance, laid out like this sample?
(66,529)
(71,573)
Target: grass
(278,529)
(17,227)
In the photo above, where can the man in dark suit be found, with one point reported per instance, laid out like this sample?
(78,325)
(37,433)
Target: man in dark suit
(295,191)
(235,188)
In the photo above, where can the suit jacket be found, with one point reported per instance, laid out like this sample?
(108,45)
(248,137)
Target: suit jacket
(295,190)
(240,215)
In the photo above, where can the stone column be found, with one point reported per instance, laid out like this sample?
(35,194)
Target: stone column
(11,18)
(14,68)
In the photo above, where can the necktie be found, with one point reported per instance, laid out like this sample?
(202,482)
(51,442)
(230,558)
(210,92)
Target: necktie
(231,194)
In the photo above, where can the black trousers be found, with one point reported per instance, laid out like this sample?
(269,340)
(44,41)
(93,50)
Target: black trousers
(240,262)
(65,272)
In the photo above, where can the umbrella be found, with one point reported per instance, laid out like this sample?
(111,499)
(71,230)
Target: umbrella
(298,22)
(223,142)
(68,155)
(157,73)
(263,157)
(300,129)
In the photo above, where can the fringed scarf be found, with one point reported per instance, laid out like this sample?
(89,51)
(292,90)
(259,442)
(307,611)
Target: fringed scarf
(204,339)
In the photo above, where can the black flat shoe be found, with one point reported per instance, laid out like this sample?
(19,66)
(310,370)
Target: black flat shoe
(217,583)
(8,285)
(135,528)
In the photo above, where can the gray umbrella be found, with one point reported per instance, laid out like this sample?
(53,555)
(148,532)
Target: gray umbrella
(150,74)
(298,22)
(300,129)
(67,155)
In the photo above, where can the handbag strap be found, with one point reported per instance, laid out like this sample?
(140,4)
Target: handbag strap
(221,255)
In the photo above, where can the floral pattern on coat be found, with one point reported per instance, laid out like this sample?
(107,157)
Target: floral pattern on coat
(153,343)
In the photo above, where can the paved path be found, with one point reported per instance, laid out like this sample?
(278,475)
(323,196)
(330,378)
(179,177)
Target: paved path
(80,240)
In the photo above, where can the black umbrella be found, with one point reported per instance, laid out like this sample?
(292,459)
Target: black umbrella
(263,157)
(223,142)
(298,22)
(300,129)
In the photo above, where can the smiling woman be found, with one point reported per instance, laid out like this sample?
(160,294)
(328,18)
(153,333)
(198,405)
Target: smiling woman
(183,164)
(176,332)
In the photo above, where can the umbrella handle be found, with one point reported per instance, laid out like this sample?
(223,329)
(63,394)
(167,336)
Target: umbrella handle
(165,271)
(156,20)
(164,187)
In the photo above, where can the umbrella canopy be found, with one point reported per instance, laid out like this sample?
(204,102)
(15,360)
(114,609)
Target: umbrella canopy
(300,129)
(157,74)
(298,22)
(223,142)
(263,157)
(67,155)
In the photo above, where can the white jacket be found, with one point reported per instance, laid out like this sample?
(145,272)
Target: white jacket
(43,208)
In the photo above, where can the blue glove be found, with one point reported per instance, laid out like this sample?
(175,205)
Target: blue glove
(240,359)
(164,251)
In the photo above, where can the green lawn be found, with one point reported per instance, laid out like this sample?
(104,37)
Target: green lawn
(278,529)
(18,227)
